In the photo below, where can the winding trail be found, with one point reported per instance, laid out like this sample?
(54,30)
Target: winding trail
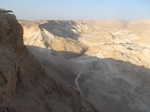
(77,83)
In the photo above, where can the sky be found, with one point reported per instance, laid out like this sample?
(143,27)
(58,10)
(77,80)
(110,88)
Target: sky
(78,9)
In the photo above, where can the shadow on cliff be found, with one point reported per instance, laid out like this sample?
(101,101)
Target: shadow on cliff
(60,28)
(111,85)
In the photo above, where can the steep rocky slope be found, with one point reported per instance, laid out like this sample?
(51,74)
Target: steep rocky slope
(25,86)
(39,35)
(109,59)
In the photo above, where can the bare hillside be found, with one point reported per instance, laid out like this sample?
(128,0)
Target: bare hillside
(109,59)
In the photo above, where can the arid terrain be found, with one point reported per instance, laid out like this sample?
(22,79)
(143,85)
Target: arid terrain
(110,59)
(74,66)
(121,40)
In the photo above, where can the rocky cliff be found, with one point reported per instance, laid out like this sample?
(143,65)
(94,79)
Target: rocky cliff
(25,86)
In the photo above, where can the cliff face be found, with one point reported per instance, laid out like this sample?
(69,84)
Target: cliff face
(24,84)
(11,46)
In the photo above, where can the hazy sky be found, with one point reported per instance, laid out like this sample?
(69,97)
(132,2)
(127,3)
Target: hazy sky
(78,9)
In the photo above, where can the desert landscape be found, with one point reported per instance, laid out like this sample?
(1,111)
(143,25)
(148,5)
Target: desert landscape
(74,65)
(110,59)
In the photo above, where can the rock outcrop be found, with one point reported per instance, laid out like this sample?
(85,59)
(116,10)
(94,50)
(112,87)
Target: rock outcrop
(51,35)
(25,86)
(11,46)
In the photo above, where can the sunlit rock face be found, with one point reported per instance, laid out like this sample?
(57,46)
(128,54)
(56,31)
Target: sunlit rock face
(109,59)
(49,34)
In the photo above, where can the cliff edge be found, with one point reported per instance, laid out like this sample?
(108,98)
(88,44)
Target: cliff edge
(24,84)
